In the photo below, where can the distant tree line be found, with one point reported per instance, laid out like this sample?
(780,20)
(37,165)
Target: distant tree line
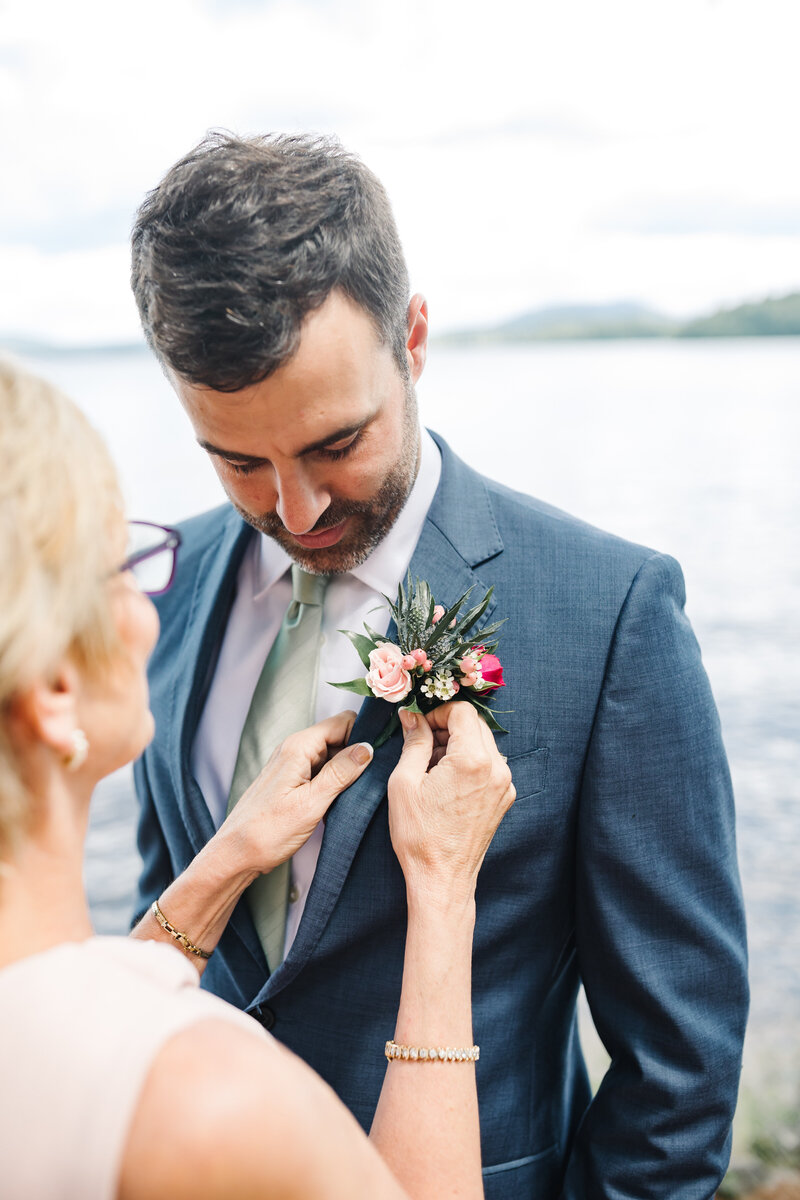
(774,317)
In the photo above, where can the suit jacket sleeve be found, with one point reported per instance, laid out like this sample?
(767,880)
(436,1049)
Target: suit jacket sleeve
(156,873)
(659,918)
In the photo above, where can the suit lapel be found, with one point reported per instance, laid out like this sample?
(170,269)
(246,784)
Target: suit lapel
(459,533)
(210,605)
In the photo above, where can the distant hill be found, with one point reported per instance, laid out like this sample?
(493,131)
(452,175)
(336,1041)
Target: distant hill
(776,316)
(568,321)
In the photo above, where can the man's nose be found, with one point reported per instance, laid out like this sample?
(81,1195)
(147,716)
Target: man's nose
(300,502)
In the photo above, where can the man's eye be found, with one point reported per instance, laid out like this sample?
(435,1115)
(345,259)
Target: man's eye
(240,468)
(334,452)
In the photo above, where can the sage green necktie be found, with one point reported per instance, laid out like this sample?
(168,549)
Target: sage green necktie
(283,702)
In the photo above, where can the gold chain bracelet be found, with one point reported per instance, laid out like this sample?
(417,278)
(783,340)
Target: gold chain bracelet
(181,938)
(432,1053)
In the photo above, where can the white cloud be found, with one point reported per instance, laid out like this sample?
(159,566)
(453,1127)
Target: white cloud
(513,140)
(71,297)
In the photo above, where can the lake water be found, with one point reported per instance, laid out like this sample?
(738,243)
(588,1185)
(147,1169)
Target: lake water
(690,447)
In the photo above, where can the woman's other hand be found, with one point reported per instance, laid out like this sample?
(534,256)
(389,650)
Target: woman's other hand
(275,816)
(447,796)
(285,803)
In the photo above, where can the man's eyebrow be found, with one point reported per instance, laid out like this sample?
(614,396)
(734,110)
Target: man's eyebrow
(338,435)
(210,448)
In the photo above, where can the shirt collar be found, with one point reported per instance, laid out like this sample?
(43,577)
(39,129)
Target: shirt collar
(387,563)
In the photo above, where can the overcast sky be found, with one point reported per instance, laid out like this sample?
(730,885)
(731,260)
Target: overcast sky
(535,153)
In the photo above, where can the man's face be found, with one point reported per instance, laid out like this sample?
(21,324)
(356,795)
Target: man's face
(322,454)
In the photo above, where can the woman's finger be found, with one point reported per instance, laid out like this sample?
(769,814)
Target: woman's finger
(417,747)
(466,733)
(335,731)
(315,743)
(457,718)
(340,771)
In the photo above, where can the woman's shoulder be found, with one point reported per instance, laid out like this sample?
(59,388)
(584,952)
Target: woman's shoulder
(220,1116)
(150,1086)
(83,1024)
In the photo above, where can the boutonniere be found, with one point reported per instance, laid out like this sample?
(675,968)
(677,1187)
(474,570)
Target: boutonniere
(440,654)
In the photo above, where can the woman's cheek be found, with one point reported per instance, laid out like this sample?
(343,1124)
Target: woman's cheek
(137,623)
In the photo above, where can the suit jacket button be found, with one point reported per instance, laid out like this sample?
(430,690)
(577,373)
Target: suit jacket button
(264,1014)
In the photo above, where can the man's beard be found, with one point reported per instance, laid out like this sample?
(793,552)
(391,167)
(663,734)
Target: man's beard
(368,520)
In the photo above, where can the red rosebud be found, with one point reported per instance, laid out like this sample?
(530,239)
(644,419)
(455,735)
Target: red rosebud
(492,672)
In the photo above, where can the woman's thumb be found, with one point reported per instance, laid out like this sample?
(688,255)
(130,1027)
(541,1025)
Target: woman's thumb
(343,769)
(417,743)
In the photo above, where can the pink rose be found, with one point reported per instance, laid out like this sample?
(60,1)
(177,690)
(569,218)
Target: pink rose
(387,677)
(492,672)
(438,612)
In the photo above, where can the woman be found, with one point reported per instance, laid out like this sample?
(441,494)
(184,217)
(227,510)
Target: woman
(120,1078)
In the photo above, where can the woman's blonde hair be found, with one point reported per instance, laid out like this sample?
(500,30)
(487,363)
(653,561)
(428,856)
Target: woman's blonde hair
(60,514)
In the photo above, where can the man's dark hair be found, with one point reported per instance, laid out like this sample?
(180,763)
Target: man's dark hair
(244,237)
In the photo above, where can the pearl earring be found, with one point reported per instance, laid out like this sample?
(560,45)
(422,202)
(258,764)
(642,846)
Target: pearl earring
(79,752)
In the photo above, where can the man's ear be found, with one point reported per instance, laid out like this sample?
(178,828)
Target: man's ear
(417,340)
(48,711)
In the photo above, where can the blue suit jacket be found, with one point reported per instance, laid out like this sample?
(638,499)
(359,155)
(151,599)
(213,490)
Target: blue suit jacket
(616,866)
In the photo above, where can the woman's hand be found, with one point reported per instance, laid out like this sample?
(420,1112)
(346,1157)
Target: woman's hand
(447,795)
(285,803)
(275,816)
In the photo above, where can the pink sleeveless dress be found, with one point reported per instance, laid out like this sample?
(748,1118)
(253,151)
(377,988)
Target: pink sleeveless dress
(80,1027)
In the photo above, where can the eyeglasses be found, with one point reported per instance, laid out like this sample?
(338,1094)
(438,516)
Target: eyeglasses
(152,556)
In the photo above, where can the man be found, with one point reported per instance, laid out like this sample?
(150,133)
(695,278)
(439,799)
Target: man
(272,287)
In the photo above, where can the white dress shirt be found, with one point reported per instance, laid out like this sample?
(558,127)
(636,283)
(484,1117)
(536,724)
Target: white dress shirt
(263,594)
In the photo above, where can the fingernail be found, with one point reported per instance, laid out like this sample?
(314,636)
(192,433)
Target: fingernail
(361,753)
(408,719)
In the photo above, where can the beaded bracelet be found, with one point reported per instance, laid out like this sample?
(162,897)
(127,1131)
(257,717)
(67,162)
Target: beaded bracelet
(179,937)
(432,1053)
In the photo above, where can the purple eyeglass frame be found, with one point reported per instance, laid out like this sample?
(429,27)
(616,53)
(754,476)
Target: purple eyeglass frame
(172,541)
